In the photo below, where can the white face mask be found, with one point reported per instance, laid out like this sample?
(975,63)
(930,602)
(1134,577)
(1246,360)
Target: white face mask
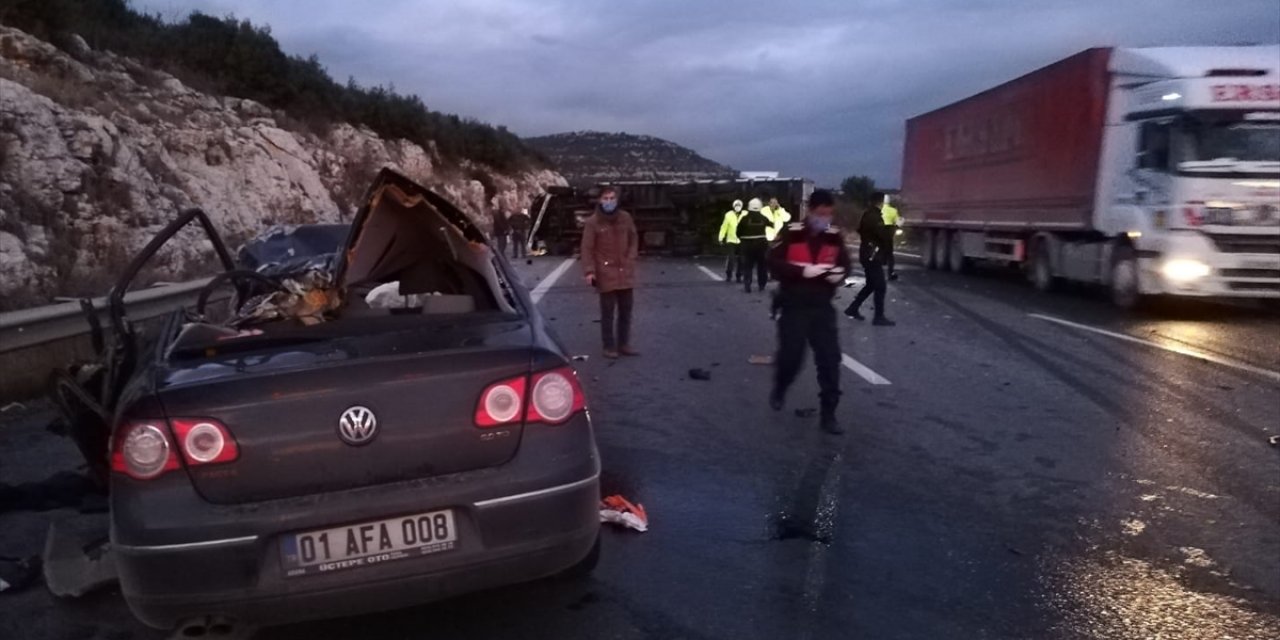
(737,207)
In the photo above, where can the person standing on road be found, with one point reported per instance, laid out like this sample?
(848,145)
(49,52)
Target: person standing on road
(501,230)
(519,225)
(876,245)
(753,229)
(729,239)
(810,262)
(778,216)
(892,222)
(610,247)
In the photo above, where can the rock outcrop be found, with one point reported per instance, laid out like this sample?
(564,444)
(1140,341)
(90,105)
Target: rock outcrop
(98,152)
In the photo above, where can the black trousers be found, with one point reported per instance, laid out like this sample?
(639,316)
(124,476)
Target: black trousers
(517,245)
(733,262)
(502,243)
(753,261)
(621,299)
(875,286)
(815,325)
(888,258)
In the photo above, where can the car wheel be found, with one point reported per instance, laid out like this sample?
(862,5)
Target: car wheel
(1042,269)
(957,262)
(1124,279)
(585,566)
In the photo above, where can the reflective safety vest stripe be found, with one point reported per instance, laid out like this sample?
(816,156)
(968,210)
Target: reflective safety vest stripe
(779,217)
(890,215)
(729,228)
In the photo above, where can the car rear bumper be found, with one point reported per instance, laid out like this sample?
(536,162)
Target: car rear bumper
(520,522)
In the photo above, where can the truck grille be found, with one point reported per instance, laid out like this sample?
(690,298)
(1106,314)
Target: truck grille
(1250,273)
(1240,243)
(1254,286)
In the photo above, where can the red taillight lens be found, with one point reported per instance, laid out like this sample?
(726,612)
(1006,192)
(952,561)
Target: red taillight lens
(142,450)
(205,441)
(501,403)
(556,396)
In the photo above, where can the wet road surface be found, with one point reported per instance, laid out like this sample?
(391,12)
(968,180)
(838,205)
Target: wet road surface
(1016,466)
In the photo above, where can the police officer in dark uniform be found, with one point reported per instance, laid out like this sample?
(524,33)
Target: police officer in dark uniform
(877,245)
(809,261)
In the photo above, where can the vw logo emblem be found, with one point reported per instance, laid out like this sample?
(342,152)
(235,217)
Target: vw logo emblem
(357,426)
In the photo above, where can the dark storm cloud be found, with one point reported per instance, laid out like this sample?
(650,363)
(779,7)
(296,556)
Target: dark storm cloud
(818,88)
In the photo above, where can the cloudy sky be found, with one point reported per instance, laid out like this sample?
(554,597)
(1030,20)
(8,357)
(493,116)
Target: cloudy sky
(815,88)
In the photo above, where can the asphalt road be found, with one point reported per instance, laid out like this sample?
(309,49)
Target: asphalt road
(1005,475)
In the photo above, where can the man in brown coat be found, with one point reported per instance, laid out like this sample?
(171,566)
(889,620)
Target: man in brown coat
(610,247)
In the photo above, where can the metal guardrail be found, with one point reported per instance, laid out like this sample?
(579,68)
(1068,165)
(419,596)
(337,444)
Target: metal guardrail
(40,325)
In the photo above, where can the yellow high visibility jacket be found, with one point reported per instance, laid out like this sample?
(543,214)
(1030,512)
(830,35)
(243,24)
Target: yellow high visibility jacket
(780,217)
(890,215)
(729,228)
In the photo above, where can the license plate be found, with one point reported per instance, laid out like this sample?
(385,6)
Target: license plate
(367,544)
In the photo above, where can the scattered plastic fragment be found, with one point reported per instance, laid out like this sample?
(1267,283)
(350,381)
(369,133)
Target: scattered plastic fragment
(1274,440)
(76,564)
(581,358)
(18,573)
(699,374)
(618,510)
(12,406)
(760,359)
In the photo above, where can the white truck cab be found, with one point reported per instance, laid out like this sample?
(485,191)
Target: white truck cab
(1189,182)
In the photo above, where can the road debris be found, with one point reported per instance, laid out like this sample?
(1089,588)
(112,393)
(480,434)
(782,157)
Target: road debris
(17,574)
(618,510)
(699,374)
(580,358)
(76,564)
(1274,441)
(759,359)
(13,406)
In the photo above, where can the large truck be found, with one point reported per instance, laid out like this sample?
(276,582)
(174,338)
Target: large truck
(1153,171)
(672,217)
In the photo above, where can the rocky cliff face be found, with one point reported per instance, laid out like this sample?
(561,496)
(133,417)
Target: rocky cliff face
(97,153)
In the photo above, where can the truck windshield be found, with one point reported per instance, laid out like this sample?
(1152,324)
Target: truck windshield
(1232,142)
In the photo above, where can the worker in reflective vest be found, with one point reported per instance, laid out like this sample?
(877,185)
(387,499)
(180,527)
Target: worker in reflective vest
(778,216)
(753,229)
(893,226)
(729,239)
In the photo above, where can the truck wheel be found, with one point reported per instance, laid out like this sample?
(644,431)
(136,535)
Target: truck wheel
(958,263)
(940,240)
(1124,279)
(1042,269)
(926,253)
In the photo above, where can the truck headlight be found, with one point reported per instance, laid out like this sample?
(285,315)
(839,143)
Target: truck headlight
(1184,270)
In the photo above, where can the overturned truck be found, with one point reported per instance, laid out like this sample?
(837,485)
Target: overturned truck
(672,217)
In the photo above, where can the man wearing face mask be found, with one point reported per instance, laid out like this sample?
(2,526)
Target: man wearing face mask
(729,238)
(610,247)
(810,262)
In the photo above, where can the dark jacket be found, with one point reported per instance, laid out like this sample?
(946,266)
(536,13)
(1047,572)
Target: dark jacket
(875,236)
(796,247)
(518,223)
(610,247)
(753,225)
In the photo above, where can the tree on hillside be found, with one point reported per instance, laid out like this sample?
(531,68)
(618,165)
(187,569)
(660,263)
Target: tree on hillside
(858,189)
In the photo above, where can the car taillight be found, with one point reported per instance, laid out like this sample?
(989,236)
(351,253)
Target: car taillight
(144,450)
(556,396)
(501,403)
(205,441)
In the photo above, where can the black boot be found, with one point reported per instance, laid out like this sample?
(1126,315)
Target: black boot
(829,424)
(852,312)
(882,321)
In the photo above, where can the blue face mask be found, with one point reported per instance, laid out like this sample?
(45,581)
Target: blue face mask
(818,223)
(609,206)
